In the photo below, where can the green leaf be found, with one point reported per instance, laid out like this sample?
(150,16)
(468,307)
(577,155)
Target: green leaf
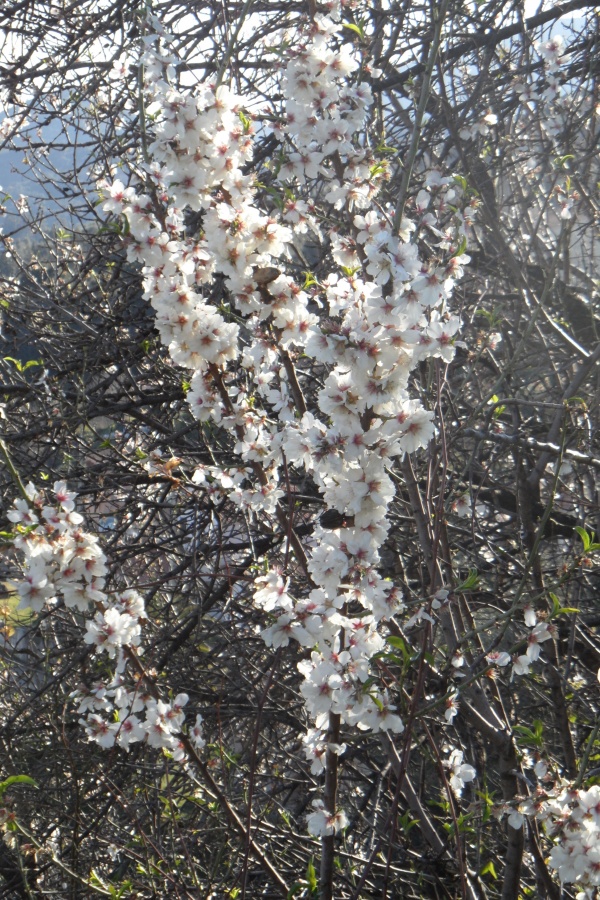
(286,817)
(356,28)
(577,401)
(274,195)
(494,399)
(562,162)
(15,779)
(16,362)
(377,169)
(488,804)
(526,732)
(586,539)
(489,869)
(96,881)
(311,877)
(558,610)
(470,582)
(406,823)
(400,645)
(246,122)
(538,728)
(530,736)
(390,658)
(462,247)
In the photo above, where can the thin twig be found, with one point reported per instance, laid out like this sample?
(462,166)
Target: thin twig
(409,162)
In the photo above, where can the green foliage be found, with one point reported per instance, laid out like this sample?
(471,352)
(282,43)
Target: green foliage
(558,609)
(562,162)
(500,407)
(588,539)
(470,582)
(307,886)
(357,29)
(13,780)
(489,869)
(530,737)
(21,366)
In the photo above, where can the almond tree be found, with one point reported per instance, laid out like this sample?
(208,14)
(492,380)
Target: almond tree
(327,416)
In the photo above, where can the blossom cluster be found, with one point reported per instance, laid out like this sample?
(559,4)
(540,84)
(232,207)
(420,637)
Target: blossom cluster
(459,772)
(570,816)
(214,266)
(64,563)
(539,633)
(61,560)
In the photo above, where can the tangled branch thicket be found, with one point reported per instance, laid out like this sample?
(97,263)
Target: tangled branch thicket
(381,218)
